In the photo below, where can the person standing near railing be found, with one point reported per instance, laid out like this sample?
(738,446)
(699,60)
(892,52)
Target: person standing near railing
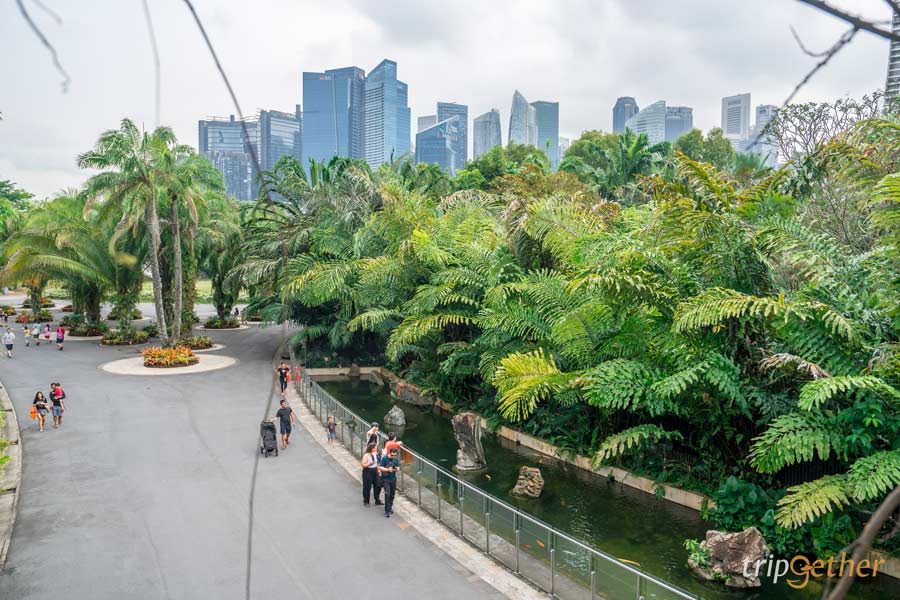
(369,464)
(388,469)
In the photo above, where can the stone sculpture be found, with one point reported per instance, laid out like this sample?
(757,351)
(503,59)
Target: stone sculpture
(728,554)
(467,431)
(530,483)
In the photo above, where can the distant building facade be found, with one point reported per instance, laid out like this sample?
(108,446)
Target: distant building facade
(679,120)
(547,125)
(279,134)
(892,86)
(651,121)
(387,115)
(435,144)
(486,132)
(224,142)
(333,114)
(625,108)
(425,122)
(759,141)
(736,118)
(522,121)
(448,110)
(564,144)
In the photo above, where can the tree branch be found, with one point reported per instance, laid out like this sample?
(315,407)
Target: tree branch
(853,19)
(47,44)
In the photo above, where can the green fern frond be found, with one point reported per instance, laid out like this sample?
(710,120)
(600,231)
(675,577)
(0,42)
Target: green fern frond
(873,476)
(715,305)
(795,438)
(812,499)
(617,444)
(372,319)
(524,380)
(412,329)
(816,393)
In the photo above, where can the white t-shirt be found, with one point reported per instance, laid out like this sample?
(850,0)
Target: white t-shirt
(9,337)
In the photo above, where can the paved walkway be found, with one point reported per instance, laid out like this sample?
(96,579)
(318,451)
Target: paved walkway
(143,494)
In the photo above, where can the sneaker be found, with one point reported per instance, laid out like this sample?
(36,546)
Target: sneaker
(391,511)
(387,515)
(366,504)
(379,503)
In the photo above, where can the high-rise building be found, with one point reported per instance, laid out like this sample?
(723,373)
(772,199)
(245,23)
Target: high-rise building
(736,118)
(679,120)
(625,108)
(333,115)
(279,134)
(224,142)
(564,143)
(522,121)
(447,110)
(435,145)
(651,121)
(759,141)
(547,122)
(486,132)
(387,115)
(892,87)
(425,122)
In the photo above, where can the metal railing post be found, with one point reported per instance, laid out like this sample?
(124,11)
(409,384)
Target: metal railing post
(438,496)
(515,522)
(461,513)
(402,482)
(487,537)
(639,580)
(552,571)
(419,474)
(593,580)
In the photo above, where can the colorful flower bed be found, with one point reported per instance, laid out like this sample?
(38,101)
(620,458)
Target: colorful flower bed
(167,358)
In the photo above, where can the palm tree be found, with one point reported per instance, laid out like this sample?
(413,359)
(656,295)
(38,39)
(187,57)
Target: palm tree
(130,160)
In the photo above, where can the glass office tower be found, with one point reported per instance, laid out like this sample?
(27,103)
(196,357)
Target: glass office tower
(447,110)
(223,141)
(486,132)
(625,108)
(547,121)
(334,114)
(387,115)
(435,145)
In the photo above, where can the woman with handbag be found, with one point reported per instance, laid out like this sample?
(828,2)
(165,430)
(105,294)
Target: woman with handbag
(371,480)
(39,409)
(57,395)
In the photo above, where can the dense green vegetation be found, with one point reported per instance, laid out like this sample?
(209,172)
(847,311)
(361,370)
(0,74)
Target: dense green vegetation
(676,309)
(725,327)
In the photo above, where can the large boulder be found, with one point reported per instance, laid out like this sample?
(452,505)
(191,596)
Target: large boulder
(529,484)
(728,555)
(395,416)
(467,431)
(410,394)
(375,378)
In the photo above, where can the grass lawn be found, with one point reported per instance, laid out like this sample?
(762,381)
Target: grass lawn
(204,292)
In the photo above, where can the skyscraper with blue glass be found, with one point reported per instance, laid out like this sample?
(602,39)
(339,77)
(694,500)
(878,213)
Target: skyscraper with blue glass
(447,110)
(334,114)
(486,132)
(547,121)
(436,145)
(387,115)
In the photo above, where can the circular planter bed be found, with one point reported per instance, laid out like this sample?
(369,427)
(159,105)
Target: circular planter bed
(169,358)
(126,338)
(134,315)
(88,330)
(217,323)
(197,342)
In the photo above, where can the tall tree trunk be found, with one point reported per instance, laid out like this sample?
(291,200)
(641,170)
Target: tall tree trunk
(179,273)
(153,230)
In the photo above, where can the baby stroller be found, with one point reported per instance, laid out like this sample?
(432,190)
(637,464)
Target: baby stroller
(268,440)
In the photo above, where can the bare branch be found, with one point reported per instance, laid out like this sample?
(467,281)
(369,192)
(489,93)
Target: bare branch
(852,19)
(155,55)
(47,44)
(804,48)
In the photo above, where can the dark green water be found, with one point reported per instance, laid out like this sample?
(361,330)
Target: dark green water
(614,518)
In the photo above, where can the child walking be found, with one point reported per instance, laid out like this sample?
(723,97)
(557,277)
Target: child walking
(36,334)
(26,332)
(330,427)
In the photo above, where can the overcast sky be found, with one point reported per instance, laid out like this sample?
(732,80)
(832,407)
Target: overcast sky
(582,53)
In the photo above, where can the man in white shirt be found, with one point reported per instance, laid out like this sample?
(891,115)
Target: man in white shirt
(9,338)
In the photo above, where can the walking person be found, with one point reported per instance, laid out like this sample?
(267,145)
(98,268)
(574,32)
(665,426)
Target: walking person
(392,443)
(60,337)
(9,338)
(26,333)
(370,476)
(286,415)
(36,334)
(40,409)
(47,333)
(331,428)
(57,395)
(284,374)
(388,469)
(372,434)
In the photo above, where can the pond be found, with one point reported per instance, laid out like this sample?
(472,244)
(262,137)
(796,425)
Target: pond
(617,519)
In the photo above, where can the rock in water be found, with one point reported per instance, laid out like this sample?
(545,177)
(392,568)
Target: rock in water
(375,378)
(395,416)
(530,483)
(354,370)
(467,431)
(728,553)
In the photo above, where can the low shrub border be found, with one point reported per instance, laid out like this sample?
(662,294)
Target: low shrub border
(169,358)
(125,338)
(197,342)
(88,329)
(217,323)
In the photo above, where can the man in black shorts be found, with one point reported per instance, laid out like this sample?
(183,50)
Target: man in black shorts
(283,373)
(286,416)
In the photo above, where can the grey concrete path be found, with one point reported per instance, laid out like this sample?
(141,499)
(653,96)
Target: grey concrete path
(143,494)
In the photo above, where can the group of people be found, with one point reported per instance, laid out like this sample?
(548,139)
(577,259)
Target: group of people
(41,405)
(379,470)
(34,333)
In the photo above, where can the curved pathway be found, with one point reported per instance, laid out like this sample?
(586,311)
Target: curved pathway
(143,493)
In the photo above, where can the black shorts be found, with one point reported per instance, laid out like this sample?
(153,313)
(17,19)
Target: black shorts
(285,429)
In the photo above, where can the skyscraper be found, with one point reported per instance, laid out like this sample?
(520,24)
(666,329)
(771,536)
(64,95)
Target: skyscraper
(892,87)
(736,118)
(486,132)
(547,121)
(522,121)
(679,120)
(387,115)
(224,143)
(425,122)
(435,145)
(446,110)
(564,143)
(279,134)
(759,141)
(333,115)
(625,108)
(651,120)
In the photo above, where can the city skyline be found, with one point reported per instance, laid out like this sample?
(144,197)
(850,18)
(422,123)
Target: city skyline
(39,139)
